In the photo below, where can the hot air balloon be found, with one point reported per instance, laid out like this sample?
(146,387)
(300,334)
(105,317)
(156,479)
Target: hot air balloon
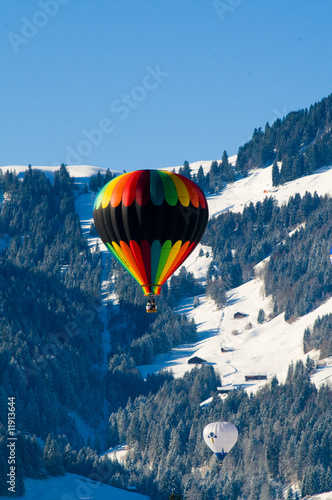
(331,255)
(220,437)
(150,220)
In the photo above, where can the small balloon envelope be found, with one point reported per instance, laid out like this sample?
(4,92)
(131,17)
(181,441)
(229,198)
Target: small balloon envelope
(220,437)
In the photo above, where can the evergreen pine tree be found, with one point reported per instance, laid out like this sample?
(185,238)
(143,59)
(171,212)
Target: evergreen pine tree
(200,178)
(185,170)
(275,174)
(261,316)
(226,169)
(52,457)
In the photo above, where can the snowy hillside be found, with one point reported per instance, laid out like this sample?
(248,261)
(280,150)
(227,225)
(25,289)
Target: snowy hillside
(265,349)
(236,347)
(322,496)
(82,173)
(72,487)
(252,349)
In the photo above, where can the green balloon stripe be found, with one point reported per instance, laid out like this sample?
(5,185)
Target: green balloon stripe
(99,197)
(164,253)
(170,190)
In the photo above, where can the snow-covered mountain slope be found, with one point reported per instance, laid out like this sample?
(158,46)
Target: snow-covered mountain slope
(322,496)
(265,349)
(82,173)
(72,486)
(258,184)
(205,164)
(251,348)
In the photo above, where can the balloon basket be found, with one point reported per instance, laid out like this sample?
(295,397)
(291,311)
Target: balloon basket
(151,306)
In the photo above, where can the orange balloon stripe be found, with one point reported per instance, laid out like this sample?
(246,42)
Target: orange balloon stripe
(136,251)
(180,261)
(201,197)
(121,254)
(109,190)
(129,191)
(117,191)
(131,259)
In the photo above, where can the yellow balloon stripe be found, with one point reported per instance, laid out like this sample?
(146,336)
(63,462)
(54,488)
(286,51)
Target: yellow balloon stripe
(172,256)
(163,257)
(109,190)
(183,194)
(99,197)
(176,261)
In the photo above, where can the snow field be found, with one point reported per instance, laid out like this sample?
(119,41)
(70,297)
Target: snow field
(74,487)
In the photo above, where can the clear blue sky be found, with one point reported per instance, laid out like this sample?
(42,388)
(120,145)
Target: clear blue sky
(130,84)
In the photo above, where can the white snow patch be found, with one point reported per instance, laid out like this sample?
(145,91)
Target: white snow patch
(321,496)
(198,264)
(206,165)
(81,173)
(236,195)
(118,453)
(73,487)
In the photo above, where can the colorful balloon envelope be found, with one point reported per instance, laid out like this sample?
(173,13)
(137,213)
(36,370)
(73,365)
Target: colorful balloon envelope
(220,437)
(331,255)
(150,220)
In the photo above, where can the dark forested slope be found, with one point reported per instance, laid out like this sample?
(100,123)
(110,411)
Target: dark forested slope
(49,290)
(296,236)
(51,354)
(302,141)
(285,433)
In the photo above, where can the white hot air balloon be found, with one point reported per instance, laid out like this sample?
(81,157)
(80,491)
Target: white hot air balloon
(220,437)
